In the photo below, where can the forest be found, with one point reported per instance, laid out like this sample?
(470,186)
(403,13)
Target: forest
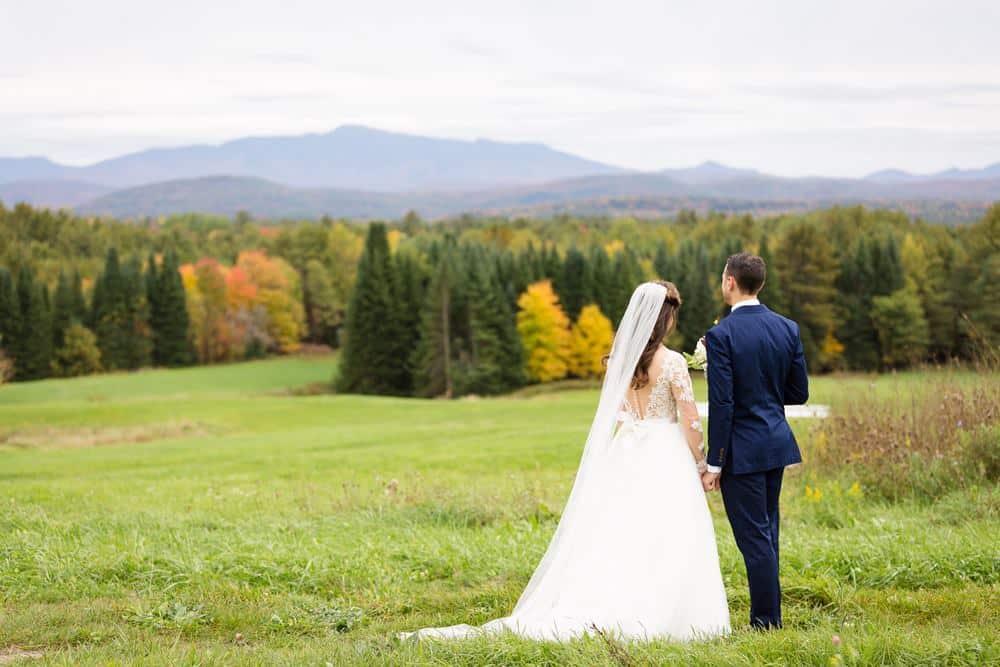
(476,305)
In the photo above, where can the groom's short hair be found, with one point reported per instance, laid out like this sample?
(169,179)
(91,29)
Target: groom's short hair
(748,270)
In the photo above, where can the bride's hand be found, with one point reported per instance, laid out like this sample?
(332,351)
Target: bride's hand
(710,481)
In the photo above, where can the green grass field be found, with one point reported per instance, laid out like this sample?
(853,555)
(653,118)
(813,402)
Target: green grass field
(216,516)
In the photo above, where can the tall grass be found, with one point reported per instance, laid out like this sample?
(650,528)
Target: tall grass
(926,441)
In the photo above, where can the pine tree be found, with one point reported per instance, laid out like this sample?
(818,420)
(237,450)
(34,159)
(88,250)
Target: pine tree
(139,342)
(873,268)
(662,264)
(110,316)
(626,274)
(10,313)
(497,358)
(574,284)
(79,308)
(170,320)
(590,340)
(432,358)
(694,280)
(33,358)
(408,300)
(544,332)
(773,293)
(62,311)
(374,356)
(600,272)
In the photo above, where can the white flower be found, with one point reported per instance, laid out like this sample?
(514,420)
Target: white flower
(699,360)
(701,354)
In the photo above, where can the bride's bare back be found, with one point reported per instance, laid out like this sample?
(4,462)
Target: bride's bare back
(668,395)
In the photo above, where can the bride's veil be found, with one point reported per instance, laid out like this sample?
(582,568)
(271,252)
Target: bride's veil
(631,339)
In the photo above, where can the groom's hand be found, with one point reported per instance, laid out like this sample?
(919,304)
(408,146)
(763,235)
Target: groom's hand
(710,481)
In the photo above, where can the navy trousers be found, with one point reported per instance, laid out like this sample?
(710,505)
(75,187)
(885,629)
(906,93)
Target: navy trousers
(751,502)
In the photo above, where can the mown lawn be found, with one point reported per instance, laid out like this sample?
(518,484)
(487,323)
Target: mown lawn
(212,516)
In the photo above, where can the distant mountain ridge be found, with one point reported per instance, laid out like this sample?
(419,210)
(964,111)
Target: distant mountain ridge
(359,172)
(350,156)
(899,176)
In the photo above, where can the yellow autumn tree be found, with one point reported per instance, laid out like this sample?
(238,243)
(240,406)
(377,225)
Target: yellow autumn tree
(544,331)
(589,340)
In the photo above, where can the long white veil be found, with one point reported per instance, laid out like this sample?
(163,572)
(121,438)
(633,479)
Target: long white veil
(630,340)
(533,609)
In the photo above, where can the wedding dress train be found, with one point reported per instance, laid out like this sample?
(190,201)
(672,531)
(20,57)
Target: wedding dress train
(637,555)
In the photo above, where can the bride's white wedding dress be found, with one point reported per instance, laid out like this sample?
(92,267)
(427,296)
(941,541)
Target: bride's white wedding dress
(635,552)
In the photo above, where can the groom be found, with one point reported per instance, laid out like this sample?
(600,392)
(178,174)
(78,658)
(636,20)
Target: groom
(755,367)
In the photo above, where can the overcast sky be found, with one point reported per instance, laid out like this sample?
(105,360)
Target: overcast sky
(793,87)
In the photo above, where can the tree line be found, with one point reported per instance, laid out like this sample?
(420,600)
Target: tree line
(476,305)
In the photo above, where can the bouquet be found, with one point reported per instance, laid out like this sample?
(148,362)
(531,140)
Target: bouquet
(699,360)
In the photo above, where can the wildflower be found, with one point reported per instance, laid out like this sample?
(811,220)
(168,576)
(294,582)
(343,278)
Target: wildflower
(835,640)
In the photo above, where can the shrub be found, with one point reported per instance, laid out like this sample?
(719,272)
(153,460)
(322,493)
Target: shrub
(79,354)
(925,443)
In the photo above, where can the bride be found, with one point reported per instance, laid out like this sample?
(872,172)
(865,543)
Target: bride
(634,553)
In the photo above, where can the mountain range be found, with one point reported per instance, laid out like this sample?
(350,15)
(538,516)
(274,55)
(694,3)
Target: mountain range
(359,172)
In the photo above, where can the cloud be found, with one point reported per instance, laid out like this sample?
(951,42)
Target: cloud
(841,92)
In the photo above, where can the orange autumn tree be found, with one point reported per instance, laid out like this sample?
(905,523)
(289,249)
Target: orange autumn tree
(544,331)
(278,292)
(590,339)
(245,310)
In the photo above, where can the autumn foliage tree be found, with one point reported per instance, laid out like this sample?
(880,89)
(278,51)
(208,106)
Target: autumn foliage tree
(590,339)
(544,331)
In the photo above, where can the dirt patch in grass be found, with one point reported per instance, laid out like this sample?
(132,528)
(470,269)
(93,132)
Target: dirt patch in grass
(75,437)
(13,654)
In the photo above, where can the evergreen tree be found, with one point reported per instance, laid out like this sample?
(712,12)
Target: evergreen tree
(695,282)
(62,311)
(33,353)
(773,294)
(110,315)
(139,342)
(551,264)
(662,264)
(375,347)
(574,284)
(626,274)
(600,272)
(409,299)
(169,316)
(10,313)
(432,358)
(79,308)
(497,359)
(872,269)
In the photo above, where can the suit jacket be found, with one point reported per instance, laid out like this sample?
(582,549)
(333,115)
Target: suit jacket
(755,367)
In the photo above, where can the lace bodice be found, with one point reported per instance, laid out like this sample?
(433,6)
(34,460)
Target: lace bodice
(671,386)
(670,397)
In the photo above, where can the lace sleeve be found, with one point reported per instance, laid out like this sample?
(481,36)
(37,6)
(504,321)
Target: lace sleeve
(687,409)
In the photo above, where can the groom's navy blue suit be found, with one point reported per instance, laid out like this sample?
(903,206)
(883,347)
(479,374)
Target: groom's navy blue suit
(755,367)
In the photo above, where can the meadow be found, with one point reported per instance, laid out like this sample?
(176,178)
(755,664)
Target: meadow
(232,515)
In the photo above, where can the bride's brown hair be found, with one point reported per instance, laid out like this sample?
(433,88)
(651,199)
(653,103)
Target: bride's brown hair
(665,323)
